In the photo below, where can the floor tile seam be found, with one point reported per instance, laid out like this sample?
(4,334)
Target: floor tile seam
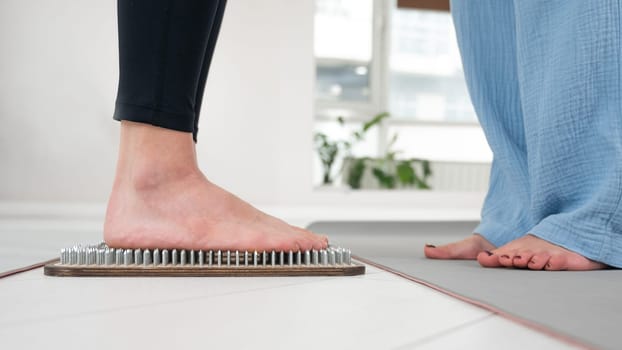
(533,325)
(189,299)
(445,332)
(151,304)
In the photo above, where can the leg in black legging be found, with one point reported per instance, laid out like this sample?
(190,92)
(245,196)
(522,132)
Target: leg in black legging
(165,49)
(160,198)
(207,60)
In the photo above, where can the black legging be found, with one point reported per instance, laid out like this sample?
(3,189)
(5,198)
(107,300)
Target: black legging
(165,50)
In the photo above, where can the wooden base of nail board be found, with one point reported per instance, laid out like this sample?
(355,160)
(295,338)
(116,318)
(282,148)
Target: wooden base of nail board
(56,269)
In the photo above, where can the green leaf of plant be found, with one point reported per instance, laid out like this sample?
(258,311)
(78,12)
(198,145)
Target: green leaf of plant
(427,170)
(318,136)
(406,173)
(375,120)
(393,139)
(355,173)
(422,185)
(384,180)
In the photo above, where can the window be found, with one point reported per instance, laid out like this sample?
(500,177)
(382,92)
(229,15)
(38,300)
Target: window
(425,73)
(373,57)
(343,70)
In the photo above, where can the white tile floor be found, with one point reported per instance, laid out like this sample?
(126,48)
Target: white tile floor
(375,311)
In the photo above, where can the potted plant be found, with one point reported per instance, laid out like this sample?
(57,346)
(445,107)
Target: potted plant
(388,171)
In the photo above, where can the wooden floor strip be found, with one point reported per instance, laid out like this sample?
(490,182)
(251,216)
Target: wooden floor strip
(24,269)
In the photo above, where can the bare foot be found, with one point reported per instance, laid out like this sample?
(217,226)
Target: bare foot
(530,252)
(467,249)
(160,199)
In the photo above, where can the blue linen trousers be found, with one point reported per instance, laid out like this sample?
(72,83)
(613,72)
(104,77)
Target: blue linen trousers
(544,78)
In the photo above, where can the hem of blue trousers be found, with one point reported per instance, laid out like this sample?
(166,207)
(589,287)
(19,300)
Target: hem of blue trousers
(600,246)
(499,233)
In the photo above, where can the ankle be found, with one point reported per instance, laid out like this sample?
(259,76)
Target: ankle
(148,177)
(150,157)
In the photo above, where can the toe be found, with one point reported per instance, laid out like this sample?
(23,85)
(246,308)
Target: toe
(433,252)
(324,239)
(557,263)
(465,249)
(488,259)
(321,241)
(521,259)
(538,261)
(307,244)
(308,240)
(318,245)
(506,258)
(448,251)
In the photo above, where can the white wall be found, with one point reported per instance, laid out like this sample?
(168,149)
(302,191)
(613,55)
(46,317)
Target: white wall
(57,83)
(58,76)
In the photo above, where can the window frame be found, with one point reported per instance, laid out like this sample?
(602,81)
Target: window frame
(379,83)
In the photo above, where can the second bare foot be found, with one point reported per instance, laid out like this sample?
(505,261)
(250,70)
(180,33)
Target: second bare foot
(531,252)
(466,249)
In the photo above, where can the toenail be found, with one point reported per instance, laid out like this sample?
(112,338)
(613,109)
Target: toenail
(430,245)
(488,252)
